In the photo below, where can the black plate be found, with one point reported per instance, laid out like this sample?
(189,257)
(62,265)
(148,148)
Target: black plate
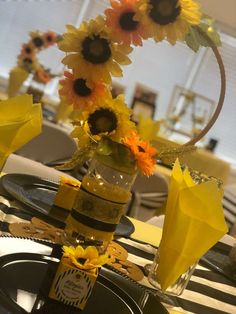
(39,194)
(26,279)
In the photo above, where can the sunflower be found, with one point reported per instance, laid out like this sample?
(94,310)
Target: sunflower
(28,51)
(120,18)
(86,259)
(142,152)
(110,117)
(94,55)
(28,63)
(49,38)
(37,40)
(167,19)
(81,92)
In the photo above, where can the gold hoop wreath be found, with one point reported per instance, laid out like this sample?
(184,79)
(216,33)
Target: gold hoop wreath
(98,48)
(220,103)
(27,61)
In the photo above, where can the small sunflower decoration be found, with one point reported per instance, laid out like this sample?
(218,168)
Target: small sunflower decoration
(37,40)
(143,153)
(85,259)
(121,20)
(93,53)
(49,38)
(28,51)
(81,92)
(168,19)
(110,118)
(28,63)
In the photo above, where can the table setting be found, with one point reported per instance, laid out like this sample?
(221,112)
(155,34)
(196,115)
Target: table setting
(67,246)
(206,288)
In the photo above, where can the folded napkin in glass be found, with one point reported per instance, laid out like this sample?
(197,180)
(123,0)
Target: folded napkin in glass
(20,121)
(194,222)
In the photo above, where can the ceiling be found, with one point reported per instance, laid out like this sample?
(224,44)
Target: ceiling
(224,13)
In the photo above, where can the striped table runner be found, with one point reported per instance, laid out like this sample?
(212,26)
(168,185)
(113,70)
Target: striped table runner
(208,292)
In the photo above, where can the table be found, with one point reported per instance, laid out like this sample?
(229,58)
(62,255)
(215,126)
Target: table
(207,292)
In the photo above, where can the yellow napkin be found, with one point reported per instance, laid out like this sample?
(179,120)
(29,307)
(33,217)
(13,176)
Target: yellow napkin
(194,222)
(16,79)
(20,121)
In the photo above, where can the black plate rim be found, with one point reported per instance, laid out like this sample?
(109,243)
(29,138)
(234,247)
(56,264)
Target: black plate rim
(45,182)
(50,185)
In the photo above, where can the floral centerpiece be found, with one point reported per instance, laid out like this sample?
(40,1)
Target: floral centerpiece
(96,51)
(103,128)
(28,63)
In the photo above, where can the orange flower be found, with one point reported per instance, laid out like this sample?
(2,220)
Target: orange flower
(142,152)
(43,76)
(80,92)
(49,38)
(122,24)
(27,51)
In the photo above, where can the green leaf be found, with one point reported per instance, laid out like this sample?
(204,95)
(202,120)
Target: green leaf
(115,155)
(197,37)
(192,39)
(211,33)
(104,147)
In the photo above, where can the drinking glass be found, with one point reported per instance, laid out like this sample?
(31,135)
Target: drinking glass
(178,287)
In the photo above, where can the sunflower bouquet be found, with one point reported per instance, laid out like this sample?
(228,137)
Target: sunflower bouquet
(95,53)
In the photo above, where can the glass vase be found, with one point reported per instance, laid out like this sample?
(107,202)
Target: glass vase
(100,203)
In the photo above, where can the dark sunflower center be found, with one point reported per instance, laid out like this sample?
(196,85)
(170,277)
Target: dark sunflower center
(28,50)
(49,38)
(102,121)
(81,260)
(96,49)
(164,12)
(127,22)
(141,149)
(38,42)
(80,88)
(27,61)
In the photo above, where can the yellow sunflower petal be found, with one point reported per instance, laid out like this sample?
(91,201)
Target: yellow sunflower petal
(121,58)
(71,28)
(68,251)
(116,70)
(91,253)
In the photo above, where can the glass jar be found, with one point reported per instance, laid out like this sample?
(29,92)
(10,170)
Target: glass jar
(103,195)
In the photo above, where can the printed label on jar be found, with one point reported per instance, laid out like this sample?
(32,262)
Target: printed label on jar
(98,208)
